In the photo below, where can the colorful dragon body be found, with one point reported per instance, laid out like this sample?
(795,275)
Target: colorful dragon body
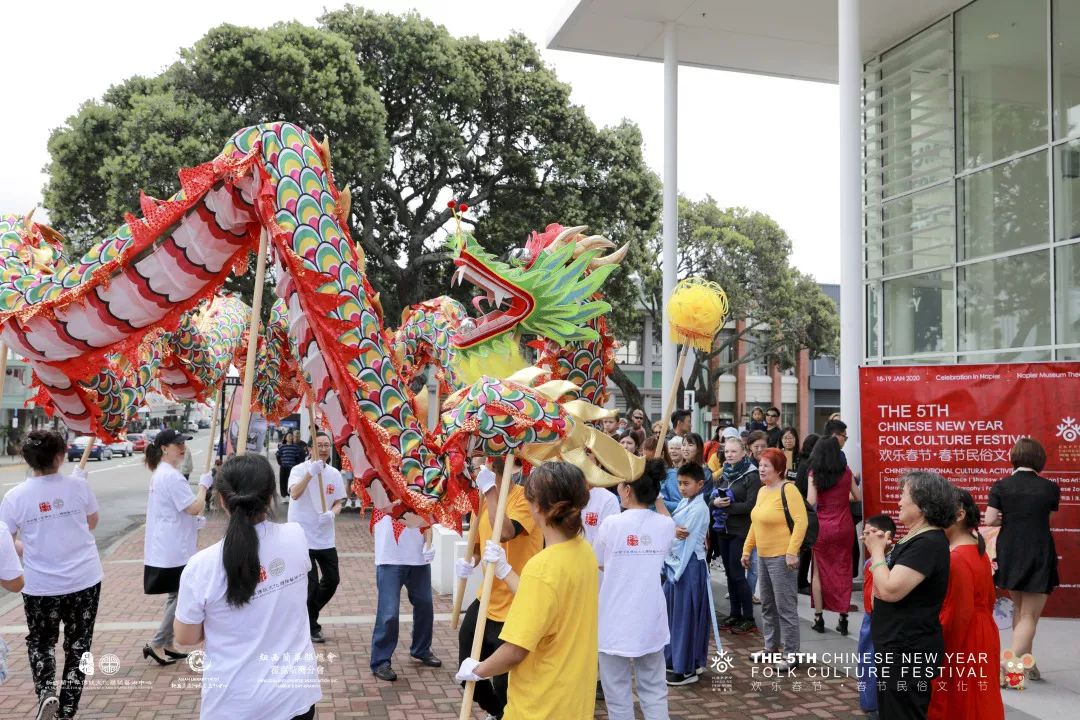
(274,181)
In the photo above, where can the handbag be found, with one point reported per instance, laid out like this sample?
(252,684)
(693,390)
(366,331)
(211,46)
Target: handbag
(812,524)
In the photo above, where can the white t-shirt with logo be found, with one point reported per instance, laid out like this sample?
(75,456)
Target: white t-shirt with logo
(306,509)
(408,549)
(59,552)
(259,662)
(602,503)
(631,547)
(10,567)
(171,533)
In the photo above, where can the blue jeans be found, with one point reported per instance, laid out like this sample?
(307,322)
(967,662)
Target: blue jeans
(752,573)
(416,579)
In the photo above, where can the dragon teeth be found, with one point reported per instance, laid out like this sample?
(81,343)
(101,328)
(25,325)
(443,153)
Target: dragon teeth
(498,295)
(458,276)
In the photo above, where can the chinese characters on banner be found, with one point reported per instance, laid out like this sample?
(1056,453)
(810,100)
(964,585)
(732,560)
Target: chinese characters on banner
(961,421)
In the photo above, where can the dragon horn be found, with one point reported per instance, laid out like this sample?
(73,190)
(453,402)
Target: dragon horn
(591,242)
(564,236)
(613,259)
(344,205)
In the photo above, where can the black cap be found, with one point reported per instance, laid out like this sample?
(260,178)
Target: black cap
(170,437)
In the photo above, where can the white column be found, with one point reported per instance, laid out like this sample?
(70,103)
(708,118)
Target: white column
(851,287)
(671,197)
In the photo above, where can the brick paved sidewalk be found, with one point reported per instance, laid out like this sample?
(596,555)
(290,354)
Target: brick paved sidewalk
(139,689)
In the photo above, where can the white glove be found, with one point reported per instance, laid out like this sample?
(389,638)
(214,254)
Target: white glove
(206,480)
(316,467)
(463,568)
(494,554)
(485,480)
(467,671)
(326,518)
(429,554)
(200,522)
(79,473)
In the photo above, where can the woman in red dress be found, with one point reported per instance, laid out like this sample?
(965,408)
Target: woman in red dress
(972,646)
(830,489)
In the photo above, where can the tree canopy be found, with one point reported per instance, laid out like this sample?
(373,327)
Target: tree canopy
(746,253)
(414,116)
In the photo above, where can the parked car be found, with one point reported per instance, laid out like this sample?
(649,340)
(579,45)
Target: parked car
(151,434)
(123,448)
(192,427)
(203,424)
(138,442)
(98,452)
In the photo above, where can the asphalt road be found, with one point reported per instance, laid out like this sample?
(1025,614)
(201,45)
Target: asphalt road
(120,486)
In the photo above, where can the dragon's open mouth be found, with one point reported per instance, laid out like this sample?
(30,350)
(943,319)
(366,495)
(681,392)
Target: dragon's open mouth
(508,303)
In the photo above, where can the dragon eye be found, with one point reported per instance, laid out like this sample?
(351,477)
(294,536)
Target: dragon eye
(518,256)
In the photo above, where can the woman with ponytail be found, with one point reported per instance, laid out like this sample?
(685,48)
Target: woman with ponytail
(246,596)
(550,636)
(967,689)
(173,519)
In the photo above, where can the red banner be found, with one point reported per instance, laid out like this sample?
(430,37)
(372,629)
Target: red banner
(961,421)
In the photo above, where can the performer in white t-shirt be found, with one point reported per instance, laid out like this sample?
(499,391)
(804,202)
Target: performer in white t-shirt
(317,491)
(55,515)
(630,549)
(173,519)
(404,561)
(602,503)
(246,596)
(11,573)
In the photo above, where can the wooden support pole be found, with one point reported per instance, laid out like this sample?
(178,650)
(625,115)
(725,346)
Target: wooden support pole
(86,452)
(459,592)
(314,430)
(3,367)
(666,419)
(252,345)
(213,431)
(489,580)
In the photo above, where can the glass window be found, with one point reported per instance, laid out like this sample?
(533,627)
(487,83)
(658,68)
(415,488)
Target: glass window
(826,366)
(629,352)
(1067,191)
(1001,79)
(872,242)
(1005,207)
(1007,357)
(918,314)
(1066,23)
(922,360)
(788,413)
(1072,353)
(873,310)
(1067,265)
(1005,303)
(918,230)
(726,354)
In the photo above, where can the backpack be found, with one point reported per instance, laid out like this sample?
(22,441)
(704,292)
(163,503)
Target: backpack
(811,519)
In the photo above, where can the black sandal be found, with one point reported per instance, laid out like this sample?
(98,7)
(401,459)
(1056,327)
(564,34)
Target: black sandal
(148,652)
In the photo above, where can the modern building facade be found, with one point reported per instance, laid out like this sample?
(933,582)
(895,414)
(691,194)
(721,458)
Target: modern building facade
(959,158)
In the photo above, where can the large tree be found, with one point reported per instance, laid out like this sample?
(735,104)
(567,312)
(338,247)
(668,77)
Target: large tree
(414,117)
(746,253)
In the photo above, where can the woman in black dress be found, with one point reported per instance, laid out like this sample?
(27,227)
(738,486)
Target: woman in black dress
(1026,558)
(910,587)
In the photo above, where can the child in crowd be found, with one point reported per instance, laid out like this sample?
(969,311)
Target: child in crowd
(867,671)
(631,548)
(685,578)
(602,503)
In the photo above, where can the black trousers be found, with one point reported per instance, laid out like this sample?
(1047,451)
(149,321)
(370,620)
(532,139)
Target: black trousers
(283,480)
(490,695)
(44,613)
(309,715)
(320,590)
(905,683)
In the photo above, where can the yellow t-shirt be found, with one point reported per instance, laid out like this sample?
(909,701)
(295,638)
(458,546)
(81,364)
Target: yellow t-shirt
(768,525)
(518,551)
(554,617)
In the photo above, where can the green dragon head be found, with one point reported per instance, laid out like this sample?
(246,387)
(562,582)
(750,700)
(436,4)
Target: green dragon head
(547,288)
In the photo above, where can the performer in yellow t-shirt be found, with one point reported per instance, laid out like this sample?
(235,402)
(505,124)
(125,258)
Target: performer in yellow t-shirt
(521,539)
(550,636)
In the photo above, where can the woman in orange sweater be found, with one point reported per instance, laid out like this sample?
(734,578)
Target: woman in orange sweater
(777,544)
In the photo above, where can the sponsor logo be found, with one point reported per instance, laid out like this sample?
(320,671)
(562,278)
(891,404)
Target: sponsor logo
(58,503)
(86,662)
(631,540)
(1069,430)
(330,489)
(277,566)
(592,519)
(646,540)
(109,664)
(44,507)
(198,661)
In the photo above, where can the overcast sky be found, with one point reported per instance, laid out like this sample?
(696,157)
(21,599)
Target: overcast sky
(763,143)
